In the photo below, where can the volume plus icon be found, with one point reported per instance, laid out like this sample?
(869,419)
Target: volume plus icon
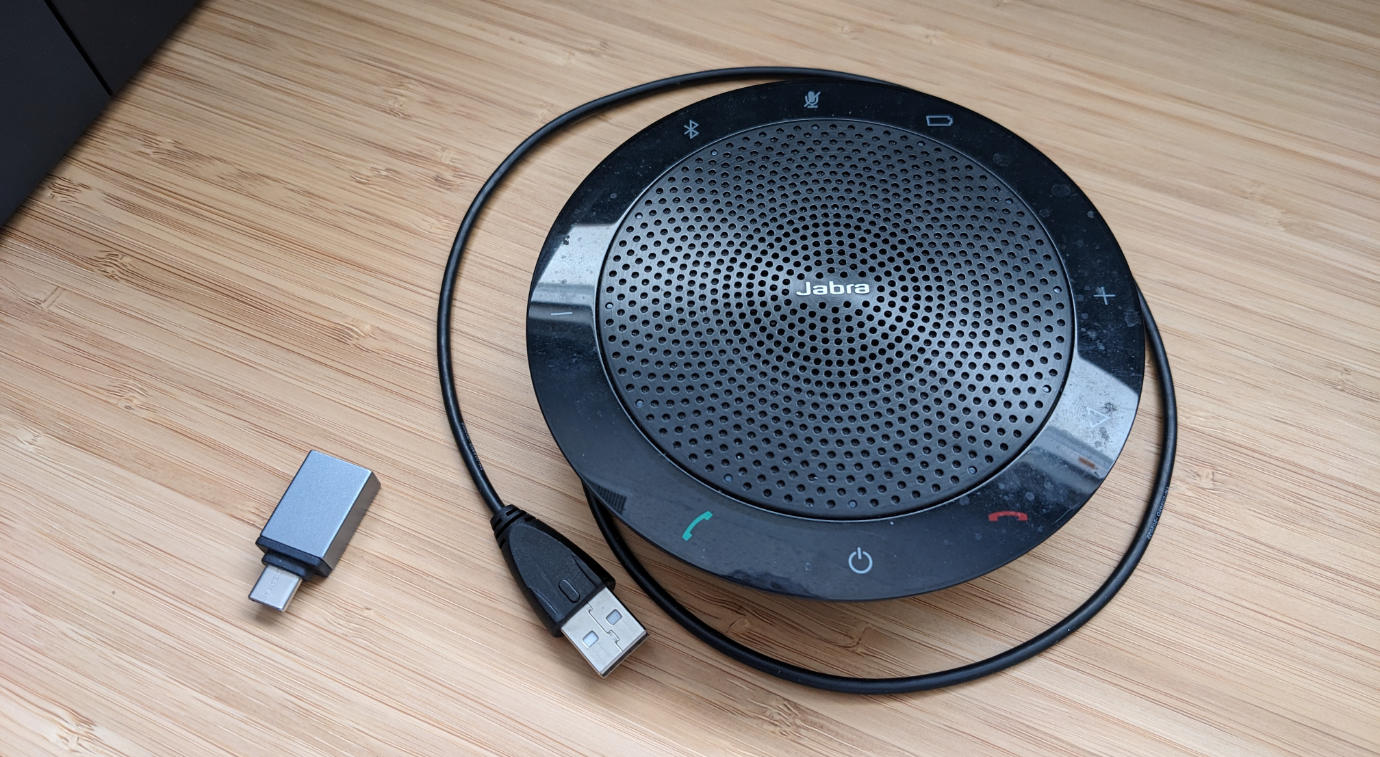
(692,128)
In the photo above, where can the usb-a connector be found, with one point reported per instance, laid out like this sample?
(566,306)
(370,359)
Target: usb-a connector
(570,592)
(604,632)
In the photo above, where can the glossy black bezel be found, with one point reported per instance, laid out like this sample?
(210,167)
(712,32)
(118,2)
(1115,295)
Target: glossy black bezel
(987,526)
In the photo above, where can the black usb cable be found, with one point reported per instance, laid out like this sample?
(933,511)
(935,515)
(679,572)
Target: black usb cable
(542,559)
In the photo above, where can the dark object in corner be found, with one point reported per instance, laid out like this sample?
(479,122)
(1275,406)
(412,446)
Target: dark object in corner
(60,63)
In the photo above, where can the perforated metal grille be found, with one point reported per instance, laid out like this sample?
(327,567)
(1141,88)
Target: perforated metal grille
(835,318)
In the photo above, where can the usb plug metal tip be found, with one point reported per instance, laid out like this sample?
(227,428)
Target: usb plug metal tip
(604,632)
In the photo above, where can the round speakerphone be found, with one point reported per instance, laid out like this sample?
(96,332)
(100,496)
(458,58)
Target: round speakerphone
(835,339)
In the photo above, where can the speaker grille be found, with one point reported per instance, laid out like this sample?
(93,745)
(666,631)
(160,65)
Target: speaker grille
(835,318)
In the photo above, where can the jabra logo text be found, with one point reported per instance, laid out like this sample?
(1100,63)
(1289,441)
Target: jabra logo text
(832,287)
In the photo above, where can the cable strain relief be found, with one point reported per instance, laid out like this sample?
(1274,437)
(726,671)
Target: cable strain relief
(504,518)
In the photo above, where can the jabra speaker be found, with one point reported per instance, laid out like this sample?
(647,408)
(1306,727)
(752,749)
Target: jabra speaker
(835,339)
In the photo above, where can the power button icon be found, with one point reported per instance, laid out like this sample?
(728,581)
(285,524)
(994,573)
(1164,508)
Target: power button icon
(860,561)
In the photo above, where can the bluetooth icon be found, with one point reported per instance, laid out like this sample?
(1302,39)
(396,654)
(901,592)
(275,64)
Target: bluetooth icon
(692,129)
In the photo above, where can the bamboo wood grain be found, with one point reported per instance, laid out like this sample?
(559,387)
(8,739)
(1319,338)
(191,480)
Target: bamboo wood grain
(239,263)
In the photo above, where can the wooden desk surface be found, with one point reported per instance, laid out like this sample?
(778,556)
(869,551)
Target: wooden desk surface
(240,261)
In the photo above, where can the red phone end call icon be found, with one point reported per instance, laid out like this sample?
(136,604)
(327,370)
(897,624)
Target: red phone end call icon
(994,517)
